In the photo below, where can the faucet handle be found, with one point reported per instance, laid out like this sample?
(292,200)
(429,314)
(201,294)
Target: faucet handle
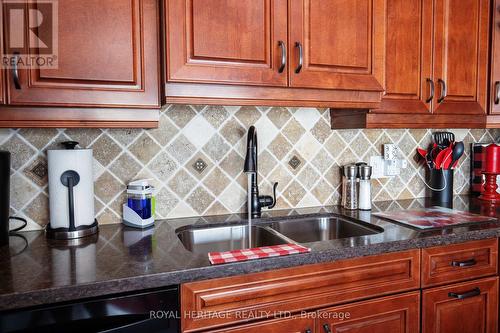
(267,200)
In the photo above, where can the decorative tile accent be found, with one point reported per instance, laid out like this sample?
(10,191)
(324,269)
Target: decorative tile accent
(199,165)
(294,162)
(37,171)
(214,137)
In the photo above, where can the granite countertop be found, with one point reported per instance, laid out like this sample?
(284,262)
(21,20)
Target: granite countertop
(121,259)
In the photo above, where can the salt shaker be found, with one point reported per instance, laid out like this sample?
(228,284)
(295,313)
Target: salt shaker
(365,187)
(350,194)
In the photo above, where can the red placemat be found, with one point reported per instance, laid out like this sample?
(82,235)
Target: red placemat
(217,258)
(434,217)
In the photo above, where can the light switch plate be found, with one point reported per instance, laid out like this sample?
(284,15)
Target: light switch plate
(390,152)
(378,167)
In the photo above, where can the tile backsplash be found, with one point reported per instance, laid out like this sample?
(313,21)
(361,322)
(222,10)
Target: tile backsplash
(195,159)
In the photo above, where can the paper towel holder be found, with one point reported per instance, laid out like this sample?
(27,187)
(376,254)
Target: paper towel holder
(70,179)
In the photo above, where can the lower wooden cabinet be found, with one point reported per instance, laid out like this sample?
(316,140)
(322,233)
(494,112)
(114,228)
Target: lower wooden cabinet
(467,307)
(290,325)
(394,314)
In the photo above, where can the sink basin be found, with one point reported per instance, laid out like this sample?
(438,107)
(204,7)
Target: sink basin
(227,238)
(323,228)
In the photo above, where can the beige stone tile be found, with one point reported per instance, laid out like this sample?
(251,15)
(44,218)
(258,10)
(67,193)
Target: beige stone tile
(248,115)
(279,116)
(38,210)
(266,162)
(295,162)
(232,131)
(165,132)
(38,137)
(144,148)
(321,131)
(124,135)
(322,161)
(181,149)
(322,191)
(281,176)
(163,166)
(21,153)
(215,115)
(21,191)
(293,131)
(216,148)
(108,217)
(216,181)
(308,177)
(125,168)
(360,146)
(234,198)
(233,163)
(105,150)
(217,209)
(280,147)
(107,187)
(165,202)
(84,136)
(181,115)
(335,145)
(190,165)
(200,200)
(182,183)
(294,193)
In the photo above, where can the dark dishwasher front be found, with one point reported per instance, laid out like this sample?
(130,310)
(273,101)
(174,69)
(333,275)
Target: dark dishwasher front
(152,312)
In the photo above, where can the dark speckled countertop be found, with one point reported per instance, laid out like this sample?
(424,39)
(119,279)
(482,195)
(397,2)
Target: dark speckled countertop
(120,259)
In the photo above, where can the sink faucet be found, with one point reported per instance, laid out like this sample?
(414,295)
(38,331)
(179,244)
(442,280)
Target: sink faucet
(256,201)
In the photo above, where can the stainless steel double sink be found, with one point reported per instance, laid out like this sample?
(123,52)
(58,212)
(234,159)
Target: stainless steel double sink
(297,230)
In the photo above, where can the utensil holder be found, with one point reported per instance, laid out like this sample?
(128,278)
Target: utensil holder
(441,185)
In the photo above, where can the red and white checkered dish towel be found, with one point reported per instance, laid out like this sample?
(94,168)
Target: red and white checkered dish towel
(217,258)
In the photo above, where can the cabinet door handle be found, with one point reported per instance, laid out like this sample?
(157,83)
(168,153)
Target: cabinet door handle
(301,57)
(283,56)
(474,292)
(308,331)
(431,86)
(326,327)
(444,92)
(497,92)
(465,263)
(15,72)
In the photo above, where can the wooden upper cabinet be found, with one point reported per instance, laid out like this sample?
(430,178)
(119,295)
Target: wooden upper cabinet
(461,56)
(468,307)
(108,56)
(2,73)
(227,41)
(408,62)
(495,61)
(337,44)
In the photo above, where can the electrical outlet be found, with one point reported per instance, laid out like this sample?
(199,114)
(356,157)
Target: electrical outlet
(391,168)
(378,166)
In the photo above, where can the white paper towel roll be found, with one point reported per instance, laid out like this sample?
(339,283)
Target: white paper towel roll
(79,160)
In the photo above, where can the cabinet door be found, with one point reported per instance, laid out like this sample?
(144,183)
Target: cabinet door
(394,314)
(461,56)
(495,61)
(227,41)
(2,71)
(468,307)
(291,325)
(408,62)
(108,55)
(337,44)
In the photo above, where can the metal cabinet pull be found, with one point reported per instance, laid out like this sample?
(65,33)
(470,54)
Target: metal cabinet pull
(465,263)
(474,292)
(283,56)
(443,90)
(15,72)
(301,57)
(326,327)
(308,331)
(497,92)
(431,86)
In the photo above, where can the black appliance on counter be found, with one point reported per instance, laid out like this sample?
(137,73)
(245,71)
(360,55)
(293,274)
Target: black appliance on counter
(4,196)
(152,312)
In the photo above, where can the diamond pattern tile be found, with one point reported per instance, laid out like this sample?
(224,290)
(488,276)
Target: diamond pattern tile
(216,135)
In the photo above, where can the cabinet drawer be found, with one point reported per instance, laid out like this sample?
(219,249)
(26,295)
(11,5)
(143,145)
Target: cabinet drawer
(459,262)
(224,301)
(462,307)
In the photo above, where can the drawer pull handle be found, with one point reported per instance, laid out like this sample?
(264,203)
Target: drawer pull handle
(465,263)
(431,95)
(283,56)
(497,92)
(474,292)
(308,331)
(15,72)
(301,57)
(444,91)
(326,327)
